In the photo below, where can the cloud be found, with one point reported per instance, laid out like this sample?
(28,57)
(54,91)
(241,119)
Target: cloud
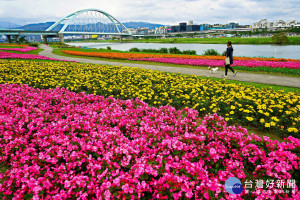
(155,11)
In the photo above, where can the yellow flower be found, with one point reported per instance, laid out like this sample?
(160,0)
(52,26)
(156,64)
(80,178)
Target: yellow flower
(292,129)
(275,119)
(267,114)
(262,120)
(273,123)
(231,112)
(267,125)
(249,119)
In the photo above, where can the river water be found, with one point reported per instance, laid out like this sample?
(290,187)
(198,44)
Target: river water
(276,51)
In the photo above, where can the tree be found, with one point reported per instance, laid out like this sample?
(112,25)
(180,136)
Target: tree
(16,39)
(211,52)
(22,39)
(280,38)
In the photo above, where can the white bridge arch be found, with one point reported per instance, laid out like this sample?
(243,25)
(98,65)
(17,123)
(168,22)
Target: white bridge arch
(90,22)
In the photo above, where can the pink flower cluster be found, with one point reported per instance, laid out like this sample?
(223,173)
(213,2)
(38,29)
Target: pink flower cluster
(58,144)
(220,63)
(7,55)
(20,49)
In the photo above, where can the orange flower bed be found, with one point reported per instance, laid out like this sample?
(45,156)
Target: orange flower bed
(15,45)
(129,56)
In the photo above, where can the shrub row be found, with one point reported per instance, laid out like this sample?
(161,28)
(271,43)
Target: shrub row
(173,50)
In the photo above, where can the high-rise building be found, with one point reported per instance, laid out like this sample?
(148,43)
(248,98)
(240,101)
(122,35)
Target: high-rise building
(275,24)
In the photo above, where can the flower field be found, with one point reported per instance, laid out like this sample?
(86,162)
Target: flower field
(25,49)
(14,45)
(7,55)
(266,109)
(126,56)
(59,144)
(220,63)
(276,65)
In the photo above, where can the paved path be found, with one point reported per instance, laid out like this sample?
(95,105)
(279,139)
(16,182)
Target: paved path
(248,77)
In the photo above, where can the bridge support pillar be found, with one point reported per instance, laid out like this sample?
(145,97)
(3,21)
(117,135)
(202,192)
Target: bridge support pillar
(61,37)
(8,38)
(120,38)
(44,37)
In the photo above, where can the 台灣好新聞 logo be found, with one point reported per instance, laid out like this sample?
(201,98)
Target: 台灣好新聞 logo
(233,186)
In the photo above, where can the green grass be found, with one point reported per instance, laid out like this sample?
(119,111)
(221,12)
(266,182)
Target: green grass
(257,70)
(259,85)
(3,169)
(293,40)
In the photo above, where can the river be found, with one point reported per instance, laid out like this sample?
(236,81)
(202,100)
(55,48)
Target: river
(276,51)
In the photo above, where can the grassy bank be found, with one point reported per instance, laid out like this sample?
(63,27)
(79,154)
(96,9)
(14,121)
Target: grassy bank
(295,40)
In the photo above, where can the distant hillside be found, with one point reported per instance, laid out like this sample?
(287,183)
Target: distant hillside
(141,24)
(44,26)
(6,24)
(36,27)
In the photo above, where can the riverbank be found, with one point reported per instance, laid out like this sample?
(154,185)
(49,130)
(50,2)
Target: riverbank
(293,40)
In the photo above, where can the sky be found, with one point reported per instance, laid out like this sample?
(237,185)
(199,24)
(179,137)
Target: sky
(167,12)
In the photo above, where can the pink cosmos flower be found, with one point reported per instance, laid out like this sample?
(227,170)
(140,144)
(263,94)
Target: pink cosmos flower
(7,55)
(55,148)
(125,188)
(212,151)
(107,194)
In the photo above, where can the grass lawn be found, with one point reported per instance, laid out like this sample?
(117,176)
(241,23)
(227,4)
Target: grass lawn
(293,40)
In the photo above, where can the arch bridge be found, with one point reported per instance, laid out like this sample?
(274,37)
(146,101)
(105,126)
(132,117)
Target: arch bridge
(89,22)
(82,22)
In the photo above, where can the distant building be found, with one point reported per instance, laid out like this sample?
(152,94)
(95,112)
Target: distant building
(184,27)
(132,30)
(162,29)
(241,26)
(191,27)
(275,24)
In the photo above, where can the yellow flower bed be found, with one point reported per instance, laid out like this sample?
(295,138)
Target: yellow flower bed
(264,108)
